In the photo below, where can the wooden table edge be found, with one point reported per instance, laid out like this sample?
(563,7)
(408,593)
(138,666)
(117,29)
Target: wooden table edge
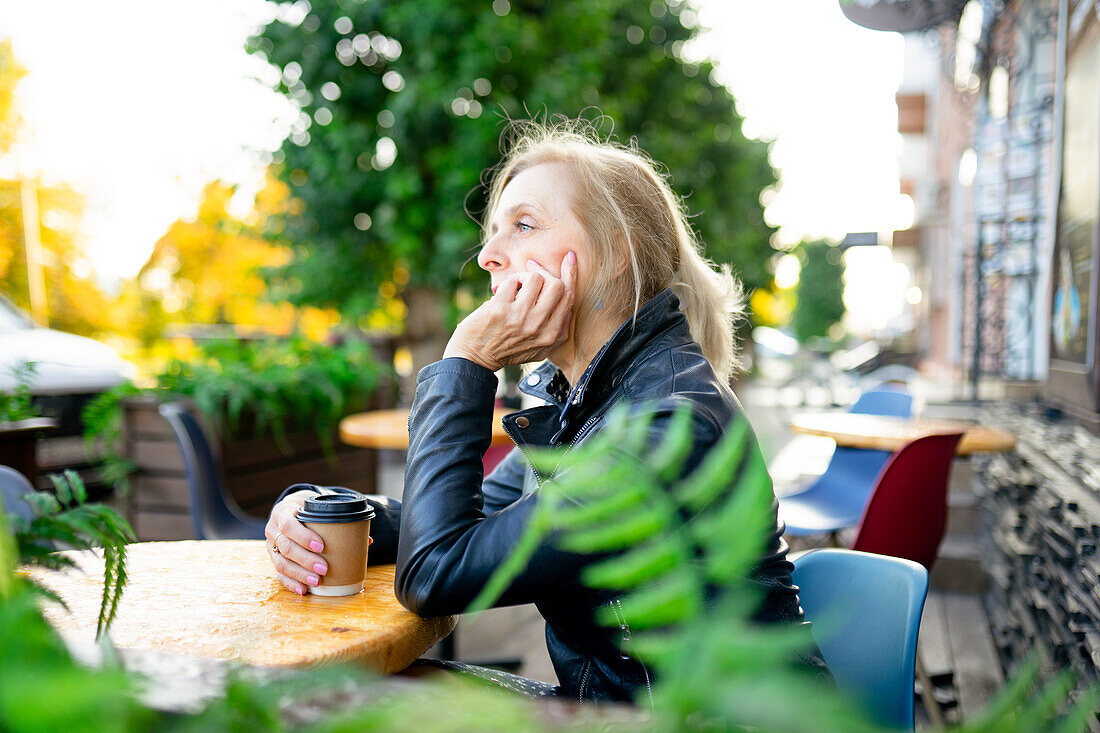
(395,658)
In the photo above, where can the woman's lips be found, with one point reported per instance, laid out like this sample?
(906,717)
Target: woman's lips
(494,288)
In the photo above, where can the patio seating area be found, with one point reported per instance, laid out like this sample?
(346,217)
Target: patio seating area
(955,644)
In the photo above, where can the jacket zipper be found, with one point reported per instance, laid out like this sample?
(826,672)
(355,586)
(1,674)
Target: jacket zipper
(584,679)
(539,479)
(580,434)
(617,608)
(522,450)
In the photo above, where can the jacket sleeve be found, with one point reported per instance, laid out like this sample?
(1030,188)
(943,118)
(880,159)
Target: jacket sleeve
(505,484)
(451,541)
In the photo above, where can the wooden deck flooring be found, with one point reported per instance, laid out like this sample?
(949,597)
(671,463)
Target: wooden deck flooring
(955,636)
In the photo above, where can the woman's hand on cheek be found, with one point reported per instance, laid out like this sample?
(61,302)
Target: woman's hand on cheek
(525,319)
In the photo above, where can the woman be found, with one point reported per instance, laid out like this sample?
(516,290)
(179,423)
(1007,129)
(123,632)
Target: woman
(595,271)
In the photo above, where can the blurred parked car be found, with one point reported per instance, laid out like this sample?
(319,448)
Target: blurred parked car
(68,369)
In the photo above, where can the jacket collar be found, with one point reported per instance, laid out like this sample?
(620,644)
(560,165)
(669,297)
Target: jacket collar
(610,365)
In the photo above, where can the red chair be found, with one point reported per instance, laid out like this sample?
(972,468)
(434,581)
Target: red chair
(906,517)
(907,513)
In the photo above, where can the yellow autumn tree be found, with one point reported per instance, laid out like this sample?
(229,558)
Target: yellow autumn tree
(207,269)
(74,302)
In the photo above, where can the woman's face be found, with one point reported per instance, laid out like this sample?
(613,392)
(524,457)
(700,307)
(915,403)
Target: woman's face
(534,221)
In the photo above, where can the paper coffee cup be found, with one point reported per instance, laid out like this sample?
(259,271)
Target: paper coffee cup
(343,521)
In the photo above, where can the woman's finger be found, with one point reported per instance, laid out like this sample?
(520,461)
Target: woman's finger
(508,289)
(293,570)
(550,295)
(569,272)
(534,266)
(287,523)
(290,584)
(563,299)
(532,283)
(312,565)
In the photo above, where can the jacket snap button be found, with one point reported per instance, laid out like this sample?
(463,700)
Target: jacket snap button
(533,380)
(522,422)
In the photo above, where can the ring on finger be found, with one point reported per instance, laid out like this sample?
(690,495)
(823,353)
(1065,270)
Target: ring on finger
(275,544)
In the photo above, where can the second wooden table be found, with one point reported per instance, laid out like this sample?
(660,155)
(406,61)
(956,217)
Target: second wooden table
(389,429)
(878,432)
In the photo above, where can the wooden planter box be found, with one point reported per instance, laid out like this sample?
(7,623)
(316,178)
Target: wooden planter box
(255,471)
(19,444)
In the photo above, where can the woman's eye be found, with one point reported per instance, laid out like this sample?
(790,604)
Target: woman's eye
(523,226)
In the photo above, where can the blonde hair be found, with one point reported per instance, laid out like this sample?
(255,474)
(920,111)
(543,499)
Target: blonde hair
(630,214)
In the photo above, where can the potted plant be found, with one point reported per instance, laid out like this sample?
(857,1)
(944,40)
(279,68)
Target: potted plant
(271,407)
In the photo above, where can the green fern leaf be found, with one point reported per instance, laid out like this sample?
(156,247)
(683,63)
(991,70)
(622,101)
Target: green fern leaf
(611,504)
(676,597)
(628,530)
(1043,708)
(637,566)
(79,491)
(640,564)
(1081,713)
(717,471)
(43,503)
(61,489)
(537,529)
(733,535)
(667,460)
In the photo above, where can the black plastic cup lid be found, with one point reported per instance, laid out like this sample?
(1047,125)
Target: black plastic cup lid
(336,509)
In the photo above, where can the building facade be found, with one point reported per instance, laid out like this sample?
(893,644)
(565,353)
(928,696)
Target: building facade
(1008,227)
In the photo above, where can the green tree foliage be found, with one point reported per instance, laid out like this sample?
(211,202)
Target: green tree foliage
(401,114)
(820,292)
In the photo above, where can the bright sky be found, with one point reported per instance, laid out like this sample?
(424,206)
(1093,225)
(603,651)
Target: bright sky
(138,104)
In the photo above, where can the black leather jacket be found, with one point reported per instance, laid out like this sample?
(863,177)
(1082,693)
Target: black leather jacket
(456,528)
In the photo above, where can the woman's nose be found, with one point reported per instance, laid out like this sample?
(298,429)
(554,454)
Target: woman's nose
(492,257)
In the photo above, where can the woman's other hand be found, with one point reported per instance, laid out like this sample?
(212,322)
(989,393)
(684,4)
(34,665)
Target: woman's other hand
(527,317)
(297,560)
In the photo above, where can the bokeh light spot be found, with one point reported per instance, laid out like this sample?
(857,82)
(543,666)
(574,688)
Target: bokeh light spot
(393,81)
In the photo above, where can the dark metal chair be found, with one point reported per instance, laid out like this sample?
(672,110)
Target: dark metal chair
(214,513)
(13,486)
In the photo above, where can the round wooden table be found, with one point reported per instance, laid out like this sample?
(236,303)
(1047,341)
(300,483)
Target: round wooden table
(389,429)
(855,430)
(220,600)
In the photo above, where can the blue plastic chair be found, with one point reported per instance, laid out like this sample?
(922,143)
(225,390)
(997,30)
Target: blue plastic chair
(836,498)
(866,612)
(893,402)
(214,513)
